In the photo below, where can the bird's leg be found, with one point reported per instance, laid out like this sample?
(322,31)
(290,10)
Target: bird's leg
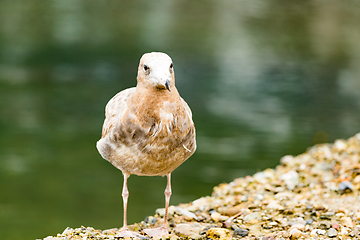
(125,196)
(158,232)
(124,231)
(167,199)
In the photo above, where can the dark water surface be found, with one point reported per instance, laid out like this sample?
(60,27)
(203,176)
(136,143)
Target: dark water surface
(263,78)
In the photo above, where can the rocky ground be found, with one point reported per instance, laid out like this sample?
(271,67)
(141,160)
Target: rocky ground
(314,195)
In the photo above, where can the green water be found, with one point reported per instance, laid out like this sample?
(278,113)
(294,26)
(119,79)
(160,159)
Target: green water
(263,79)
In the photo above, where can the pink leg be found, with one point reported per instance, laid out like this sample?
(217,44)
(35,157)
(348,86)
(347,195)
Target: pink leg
(125,196)
(124,231)
(167,199)
(158,232)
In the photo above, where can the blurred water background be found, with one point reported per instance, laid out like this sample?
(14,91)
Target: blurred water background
(263,78)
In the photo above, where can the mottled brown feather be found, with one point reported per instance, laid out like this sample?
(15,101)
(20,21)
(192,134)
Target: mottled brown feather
(148,130)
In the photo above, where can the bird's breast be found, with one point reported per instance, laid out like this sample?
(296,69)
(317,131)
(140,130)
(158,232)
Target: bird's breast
(155,130)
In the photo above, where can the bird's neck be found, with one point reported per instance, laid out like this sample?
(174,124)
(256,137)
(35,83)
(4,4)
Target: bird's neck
(150,101)
(153,95)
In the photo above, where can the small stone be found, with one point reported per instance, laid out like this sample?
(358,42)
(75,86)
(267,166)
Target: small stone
(240,232)
(215,216)
(218,233)
(331,232)
(313,233)
(309,221)
(260,197)
(324,225)
(330,214)
(357,215)
(345,186)
(340,145)
(160,212)
(191,231)
(286,234)
(291,179)
(344,231)
(252,216)
(302,166)
(186,213)
(150,220)
(260,177)
(273,224)
(320,231)
(244,198)
(298,226)
(232,210)
(335,226)
(347,222)
(273,204)
(227,224)
(295,233)
(287,160)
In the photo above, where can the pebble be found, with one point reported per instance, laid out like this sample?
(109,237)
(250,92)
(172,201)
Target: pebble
(345,185)
(160,212)
(187,230)
(287,160)
(273,204)
(186,213)
(298,226)
(344,231)
(252,216)
(240,232)
(331,232)
(335,226)
(320,231)
(295,233)
(309,221)
(215,216)
(151,220)
(218,233)
(357,215)
(347,222)
(232,210)
(340,145)
(324,225)
(244,198)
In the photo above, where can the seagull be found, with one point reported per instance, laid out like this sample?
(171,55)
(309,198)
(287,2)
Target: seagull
(148,130)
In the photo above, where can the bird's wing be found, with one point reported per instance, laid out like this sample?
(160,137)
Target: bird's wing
(115,108)
(187,108)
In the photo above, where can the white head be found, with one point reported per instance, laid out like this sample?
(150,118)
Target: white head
(156,70)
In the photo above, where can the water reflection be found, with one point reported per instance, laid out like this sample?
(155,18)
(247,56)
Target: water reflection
(264,79)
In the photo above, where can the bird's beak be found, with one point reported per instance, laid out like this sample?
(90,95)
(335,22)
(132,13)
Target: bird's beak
(167,84)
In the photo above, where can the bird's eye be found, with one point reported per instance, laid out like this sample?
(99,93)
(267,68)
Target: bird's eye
(146,67)
(171,65)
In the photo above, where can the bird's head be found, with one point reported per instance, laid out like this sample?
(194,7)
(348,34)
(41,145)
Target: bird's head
(156,71)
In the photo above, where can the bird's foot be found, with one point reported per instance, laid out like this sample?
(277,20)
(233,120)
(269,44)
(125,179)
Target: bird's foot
(125,232)
(157,232)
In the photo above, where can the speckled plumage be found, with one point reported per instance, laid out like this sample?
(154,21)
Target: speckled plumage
(148,130)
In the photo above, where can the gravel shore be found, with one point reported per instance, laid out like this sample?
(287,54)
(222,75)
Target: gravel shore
(314,195)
